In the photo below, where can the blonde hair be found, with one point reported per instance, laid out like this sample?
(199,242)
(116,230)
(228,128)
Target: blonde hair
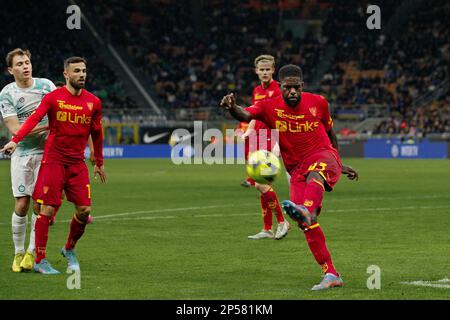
(16,52)
(265,57)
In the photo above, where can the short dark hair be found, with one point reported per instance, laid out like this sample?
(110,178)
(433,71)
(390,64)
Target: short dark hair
(16,52)
(59,84)
(73,60)
(290,70)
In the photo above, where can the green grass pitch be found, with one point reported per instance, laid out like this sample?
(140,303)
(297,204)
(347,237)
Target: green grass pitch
(163,231)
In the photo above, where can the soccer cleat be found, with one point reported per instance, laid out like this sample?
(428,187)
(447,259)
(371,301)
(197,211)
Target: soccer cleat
(262,235)
(297,213)
(329,281)
(71,257)
(16,262)
(45,267)
(27,262)
(282,230)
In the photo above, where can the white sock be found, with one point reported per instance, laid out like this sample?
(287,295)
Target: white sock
(19,230)
(32,245)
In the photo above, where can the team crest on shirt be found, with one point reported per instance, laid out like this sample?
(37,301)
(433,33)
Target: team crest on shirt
(313,111)
(90,105)
(45,189)
(308,203)
(270,94)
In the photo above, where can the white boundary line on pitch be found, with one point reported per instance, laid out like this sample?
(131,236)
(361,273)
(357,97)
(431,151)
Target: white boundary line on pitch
(430,283)
(113,217)
(252,204)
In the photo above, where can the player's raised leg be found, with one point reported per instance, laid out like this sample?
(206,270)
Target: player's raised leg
(305,214)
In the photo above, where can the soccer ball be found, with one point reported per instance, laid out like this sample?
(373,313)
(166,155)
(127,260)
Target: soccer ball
(263,166)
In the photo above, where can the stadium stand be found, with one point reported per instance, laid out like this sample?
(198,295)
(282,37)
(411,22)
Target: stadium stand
(59,43)
(192,53)
(192,57)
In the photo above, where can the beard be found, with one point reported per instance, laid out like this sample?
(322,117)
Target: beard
(292,103)
(76,85)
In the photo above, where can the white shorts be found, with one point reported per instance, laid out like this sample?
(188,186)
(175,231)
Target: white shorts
(24,172)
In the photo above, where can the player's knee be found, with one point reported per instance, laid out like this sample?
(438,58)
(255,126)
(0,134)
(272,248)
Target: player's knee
(263,188)
(22,205)
(47,211)
(314,175)
(36,207)
(83,212)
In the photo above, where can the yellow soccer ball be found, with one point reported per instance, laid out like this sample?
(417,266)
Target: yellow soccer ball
(263,166)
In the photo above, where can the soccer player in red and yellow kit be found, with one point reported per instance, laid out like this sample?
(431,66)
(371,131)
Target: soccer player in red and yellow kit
(309,150)
(74,114)
(257,136)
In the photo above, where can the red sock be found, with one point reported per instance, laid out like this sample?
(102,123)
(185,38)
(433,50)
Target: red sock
(270,197)
(41,236)
(266,213)
(312,198)
(76,231)
(316,242)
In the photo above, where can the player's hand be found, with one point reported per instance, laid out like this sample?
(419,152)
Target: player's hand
(9,148)
(101,172)
(92,157)
(351,173)
(228,102)
(246,134)
(276,150)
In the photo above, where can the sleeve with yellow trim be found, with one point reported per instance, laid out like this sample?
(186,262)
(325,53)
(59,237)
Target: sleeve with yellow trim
(97,134)
(33,120)
(325,113)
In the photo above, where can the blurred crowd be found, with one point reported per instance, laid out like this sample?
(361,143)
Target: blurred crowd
(432,118)
(191,55)
(394,70)
(35,25)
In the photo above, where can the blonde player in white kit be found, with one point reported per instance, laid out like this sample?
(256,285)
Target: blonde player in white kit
(18,100)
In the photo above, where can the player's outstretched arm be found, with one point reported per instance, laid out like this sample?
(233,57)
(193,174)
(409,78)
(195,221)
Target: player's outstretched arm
(229,103)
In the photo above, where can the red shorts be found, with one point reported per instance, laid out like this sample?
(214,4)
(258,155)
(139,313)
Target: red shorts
(326,163)
(54,178)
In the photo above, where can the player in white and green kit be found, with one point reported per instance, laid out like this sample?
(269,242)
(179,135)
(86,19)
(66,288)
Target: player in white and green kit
(18,100)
